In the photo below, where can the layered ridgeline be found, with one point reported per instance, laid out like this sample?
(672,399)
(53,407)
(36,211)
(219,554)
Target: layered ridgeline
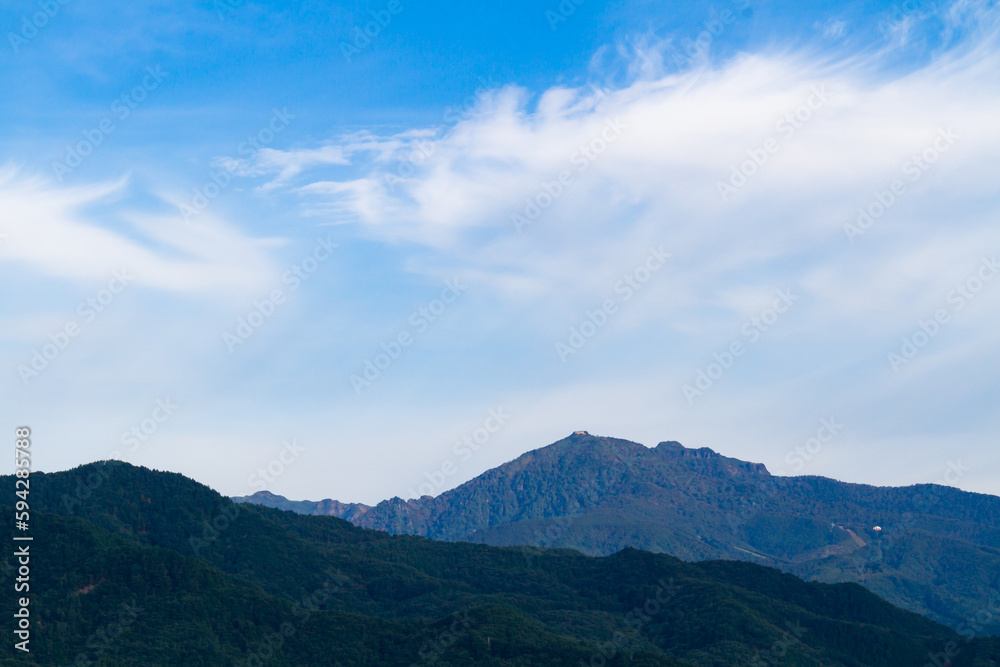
(135,567)
(931,549)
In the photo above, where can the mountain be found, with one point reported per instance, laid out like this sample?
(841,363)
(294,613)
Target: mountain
(931,549)
(350,511)
(138,567)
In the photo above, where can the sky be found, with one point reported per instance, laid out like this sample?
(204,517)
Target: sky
(364,250)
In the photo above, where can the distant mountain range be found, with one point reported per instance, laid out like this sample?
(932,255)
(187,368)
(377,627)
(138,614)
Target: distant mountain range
(931,549)
(137,567)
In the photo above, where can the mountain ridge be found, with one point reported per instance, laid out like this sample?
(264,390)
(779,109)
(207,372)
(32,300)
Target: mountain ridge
(937,553)
(211,582)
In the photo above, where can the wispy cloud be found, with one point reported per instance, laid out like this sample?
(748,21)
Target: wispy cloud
(686,134)
(747,169)
(86,232)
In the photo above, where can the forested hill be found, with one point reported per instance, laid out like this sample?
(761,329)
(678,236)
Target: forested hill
(138,567)
(937,553)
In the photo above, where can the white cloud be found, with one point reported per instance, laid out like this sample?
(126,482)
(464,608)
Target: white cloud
(784,228)
(287,164)
(660,181)
(454,189)
(82,233)
(833,28)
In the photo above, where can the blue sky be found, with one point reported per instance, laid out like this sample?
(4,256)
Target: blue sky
(758,227)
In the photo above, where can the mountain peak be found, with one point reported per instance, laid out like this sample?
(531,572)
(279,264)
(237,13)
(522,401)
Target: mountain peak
(670,446)
(330,507)
(602,494)
(674,447)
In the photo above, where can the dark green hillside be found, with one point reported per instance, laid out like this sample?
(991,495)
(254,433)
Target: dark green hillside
(324,591)
(938,553)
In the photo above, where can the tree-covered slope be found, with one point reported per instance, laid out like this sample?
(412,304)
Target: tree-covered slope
(938,552)
(139,567)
